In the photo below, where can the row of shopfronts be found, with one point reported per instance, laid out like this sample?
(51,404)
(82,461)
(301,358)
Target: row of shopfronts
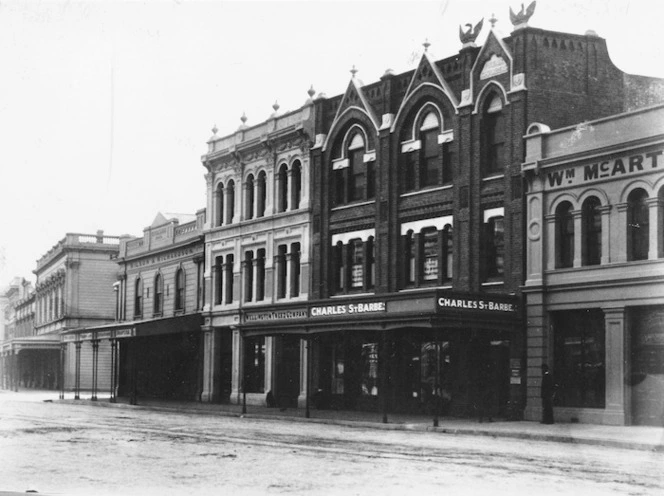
(423,243)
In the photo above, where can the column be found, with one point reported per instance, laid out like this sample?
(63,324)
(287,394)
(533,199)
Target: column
(615,357)
(17,372)
(417,246)
(289,274)
(621,237)
(77,372)
(95,367)
(550,242)
(238,363)
(606,234)
(655,246)
(255,276)
(114,370)
(382,371)
(578,237)
(346,275)
(211,365)
(61,369)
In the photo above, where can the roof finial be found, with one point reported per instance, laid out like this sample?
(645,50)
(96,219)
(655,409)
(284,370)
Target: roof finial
(353,71)
(275,106)
(493,20)
(214,129)
(311,92)
(426,44)
(243,118)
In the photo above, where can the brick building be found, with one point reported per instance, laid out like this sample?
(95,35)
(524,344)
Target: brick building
(21,358)
(595,267)
(156,293)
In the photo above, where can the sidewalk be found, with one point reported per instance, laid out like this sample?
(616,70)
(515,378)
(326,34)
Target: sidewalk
(628,437)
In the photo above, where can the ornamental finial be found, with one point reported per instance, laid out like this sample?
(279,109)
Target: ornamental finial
(353,71)
(275,106)
(311,92)
(426,44)
(243,118)
(493,20)
(214,129)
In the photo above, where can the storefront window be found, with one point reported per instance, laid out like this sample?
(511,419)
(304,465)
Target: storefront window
(579,351)
(338,364)
(369,384)
(254,363)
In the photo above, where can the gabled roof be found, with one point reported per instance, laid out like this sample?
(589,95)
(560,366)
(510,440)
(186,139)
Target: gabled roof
(428,72)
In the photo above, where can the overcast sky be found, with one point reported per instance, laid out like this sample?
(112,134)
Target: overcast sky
(106,107)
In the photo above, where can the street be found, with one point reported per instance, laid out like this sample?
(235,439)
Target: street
(57,448)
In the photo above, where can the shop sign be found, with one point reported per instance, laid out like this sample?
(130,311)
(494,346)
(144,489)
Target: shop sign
(276,315)
(125,333)
(85,336)
(484,305)
(348,309)
(606,169)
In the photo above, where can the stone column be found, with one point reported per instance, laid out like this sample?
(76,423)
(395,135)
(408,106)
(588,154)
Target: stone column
(211,365)
(95,367)
(622,238)
(614,363)
(606,234)
(77,372)
(578,238)
(114,370)
(550,243)
(654,248)
(238,363)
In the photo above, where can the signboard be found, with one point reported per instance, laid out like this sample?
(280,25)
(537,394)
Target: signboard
(104,335)
(276,315)
(620,166)
(125,333)
(69,338)
(348,309)
(476,303)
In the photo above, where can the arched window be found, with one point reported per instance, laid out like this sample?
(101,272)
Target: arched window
(249,198)
(230,209)
(296,185)
(638,225)
(248,275)
(448,245)
(564,235)
(138,297)
(158,304)
(592,231)
(261,195)
(429,151)
(494,244)
(283,188)
(353,179)
(228,278)
(295,269)
(220,204)
(179,290)
(493,136)
(219,280)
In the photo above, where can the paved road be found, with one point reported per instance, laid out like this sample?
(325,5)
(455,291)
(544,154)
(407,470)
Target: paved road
(75,449)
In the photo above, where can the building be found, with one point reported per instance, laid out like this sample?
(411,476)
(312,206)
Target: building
(155,340)
(31,369)
(595,267)
(74,290)
(418,217)
(257,245)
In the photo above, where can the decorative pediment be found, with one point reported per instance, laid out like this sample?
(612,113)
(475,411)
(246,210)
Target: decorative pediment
(354,98)
(428,72)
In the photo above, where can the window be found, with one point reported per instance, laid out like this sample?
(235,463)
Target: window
(430,254)
(424,259)
(228,278)
(260,274)
(430,160)
(282,271)
(369,367)
(494,247)
(493,136)
(249,198)
(409,253)
(230,209)
(356,254)
(261,195)
(138,297)
(564,235)
(354,266)
(592,231)
(638,225)
(158,303)
(579,351)
(295,269)
(353,179)
(219,280)
(220,205)
(179,290)
(200,285)
(282,184)
(254,364)
(339,279)
(296,184)
(248,275)
(409,177)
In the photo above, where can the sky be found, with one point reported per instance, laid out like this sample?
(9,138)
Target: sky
(106,106)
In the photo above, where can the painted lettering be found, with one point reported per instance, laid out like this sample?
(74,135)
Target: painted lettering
(555,178)
(618,166)
(653,157)
(635,161)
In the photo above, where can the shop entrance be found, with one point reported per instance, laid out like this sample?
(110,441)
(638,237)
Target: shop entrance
(288,371)
(647,378)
